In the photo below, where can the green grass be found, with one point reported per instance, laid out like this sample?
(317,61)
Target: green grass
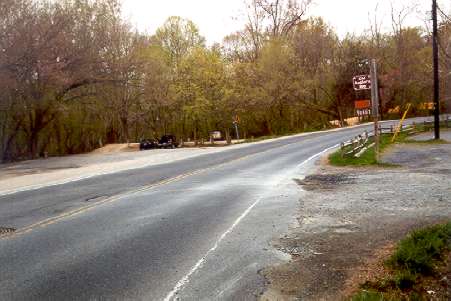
(368,157)
(368,296)
(417,253)
(417,256)
(378,296)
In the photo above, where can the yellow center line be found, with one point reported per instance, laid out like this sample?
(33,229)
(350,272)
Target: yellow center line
(55,219)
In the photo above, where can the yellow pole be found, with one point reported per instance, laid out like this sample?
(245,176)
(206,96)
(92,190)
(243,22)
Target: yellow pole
(399,127)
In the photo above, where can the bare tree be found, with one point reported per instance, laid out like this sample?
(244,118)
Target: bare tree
(282,15)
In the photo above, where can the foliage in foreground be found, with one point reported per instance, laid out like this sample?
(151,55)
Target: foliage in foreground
(418,252)
(417,256)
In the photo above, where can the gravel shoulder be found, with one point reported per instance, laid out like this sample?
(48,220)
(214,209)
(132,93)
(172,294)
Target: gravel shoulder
(350,216)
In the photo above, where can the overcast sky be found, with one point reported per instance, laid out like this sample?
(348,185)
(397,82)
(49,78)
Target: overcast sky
(217,18)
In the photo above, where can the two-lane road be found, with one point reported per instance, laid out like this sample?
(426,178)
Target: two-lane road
(197,229)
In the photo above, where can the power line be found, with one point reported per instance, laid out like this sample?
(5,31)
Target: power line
(443,13)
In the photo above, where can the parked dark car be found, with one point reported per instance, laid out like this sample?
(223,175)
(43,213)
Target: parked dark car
(168,141)
(148,144)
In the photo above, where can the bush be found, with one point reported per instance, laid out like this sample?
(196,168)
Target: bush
(417,255)
(418,252)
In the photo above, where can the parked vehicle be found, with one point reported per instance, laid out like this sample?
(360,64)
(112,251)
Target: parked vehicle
(148,144)
(216,135)
(168,141)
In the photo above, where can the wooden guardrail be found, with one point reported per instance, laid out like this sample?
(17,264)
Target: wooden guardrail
(356,144)
(360,143)
(392,129)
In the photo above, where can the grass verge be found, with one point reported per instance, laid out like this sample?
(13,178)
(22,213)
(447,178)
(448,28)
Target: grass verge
(416,269)
(338,158)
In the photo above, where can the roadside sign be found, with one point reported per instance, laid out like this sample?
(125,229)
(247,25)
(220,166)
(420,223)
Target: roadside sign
(362,104)
(363,112)
(362,82)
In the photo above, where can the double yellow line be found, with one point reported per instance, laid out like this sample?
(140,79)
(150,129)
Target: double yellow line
(55,219)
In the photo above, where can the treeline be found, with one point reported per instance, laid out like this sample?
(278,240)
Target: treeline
(74,75)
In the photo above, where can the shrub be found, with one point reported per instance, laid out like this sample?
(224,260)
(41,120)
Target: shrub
(418,252)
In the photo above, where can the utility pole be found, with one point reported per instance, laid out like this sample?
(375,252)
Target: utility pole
(375,104)
(436,75)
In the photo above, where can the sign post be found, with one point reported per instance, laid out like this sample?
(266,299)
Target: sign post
(375,104)
(235,123)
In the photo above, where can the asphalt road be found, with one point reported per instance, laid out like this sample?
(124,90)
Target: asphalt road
(197,229)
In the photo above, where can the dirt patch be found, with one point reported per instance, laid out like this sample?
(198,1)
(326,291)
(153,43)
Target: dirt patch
(117,148)
(439,286)
(350,218)
(426,287)
(324,181)
(331,265)
(372,268)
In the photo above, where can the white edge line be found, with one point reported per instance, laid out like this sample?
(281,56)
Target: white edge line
(318,154)
(185,280)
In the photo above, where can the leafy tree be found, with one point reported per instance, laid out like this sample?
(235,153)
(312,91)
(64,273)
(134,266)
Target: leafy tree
(178,37)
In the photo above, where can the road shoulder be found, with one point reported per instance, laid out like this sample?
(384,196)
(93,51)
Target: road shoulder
(350,216)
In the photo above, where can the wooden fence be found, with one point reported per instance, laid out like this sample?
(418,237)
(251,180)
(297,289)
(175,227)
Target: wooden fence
(360,143)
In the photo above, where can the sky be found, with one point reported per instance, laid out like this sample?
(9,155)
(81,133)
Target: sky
(218,18)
